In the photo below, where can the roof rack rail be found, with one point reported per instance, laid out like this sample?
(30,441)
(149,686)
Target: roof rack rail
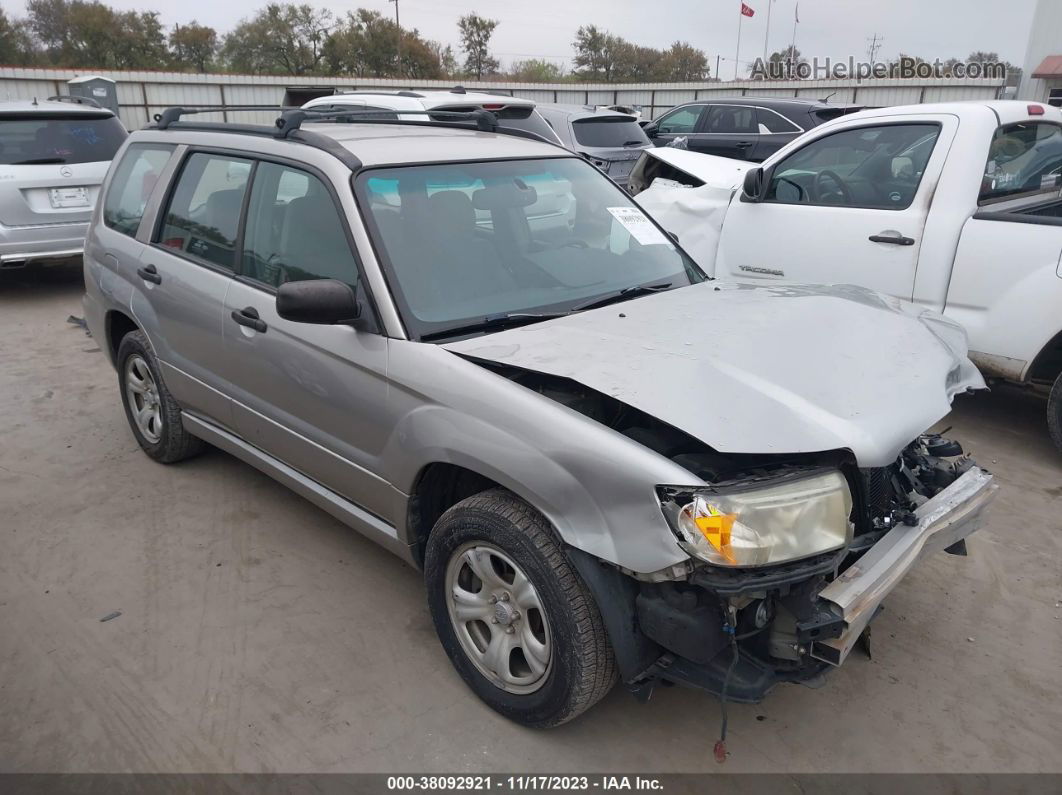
(76,100)
(288,124)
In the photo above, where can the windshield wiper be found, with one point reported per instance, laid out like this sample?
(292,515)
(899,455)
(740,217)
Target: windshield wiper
(39,161)
(492,323)
(633,143)
(627,292)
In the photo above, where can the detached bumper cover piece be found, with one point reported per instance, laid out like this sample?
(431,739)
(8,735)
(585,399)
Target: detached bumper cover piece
(947,518)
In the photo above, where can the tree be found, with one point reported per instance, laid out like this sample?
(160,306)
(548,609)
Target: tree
(535,70)
(16,44)
(596,52)
(448,65)
(682,63)
(366,45)
(193,46)
(475,42)
(632,62)
(75,33)
(282,38)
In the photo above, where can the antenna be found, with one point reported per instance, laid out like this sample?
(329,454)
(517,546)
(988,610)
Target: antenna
(873,45)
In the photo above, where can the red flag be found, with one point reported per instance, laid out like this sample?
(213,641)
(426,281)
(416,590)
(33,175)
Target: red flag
(747,10)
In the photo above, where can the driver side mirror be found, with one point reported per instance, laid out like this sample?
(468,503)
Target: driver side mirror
(322,301)
(752,188)
(651,129)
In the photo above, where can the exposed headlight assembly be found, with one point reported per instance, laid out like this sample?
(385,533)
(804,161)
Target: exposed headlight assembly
(762,523)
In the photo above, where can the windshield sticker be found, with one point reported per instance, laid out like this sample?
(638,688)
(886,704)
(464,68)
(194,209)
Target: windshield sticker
(641,228)
(1048,181)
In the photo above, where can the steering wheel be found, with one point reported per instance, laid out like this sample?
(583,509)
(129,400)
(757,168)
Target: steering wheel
(817,186)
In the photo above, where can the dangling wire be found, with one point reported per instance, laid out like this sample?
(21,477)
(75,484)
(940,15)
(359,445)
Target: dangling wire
(720,746)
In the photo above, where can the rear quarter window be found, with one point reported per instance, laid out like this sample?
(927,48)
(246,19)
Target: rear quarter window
(132,184)
(59,138)
(1023,159)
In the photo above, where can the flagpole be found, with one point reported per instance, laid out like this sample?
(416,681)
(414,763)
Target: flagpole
(792,44)
(767,33)
(737,55)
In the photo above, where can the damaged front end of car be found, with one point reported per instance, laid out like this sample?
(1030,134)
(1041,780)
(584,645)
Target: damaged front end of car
(791,561)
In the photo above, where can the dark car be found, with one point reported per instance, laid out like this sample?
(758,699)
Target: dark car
(746,128)
(610,140)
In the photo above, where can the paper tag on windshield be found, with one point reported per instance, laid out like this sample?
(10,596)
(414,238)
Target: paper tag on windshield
(641,228)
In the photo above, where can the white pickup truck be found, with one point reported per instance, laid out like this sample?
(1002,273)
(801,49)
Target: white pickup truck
(956,207)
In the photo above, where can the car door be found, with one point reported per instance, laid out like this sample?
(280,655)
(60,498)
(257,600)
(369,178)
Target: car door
(313,396)
(849,207)
(729,131)
(184,275)
(682,122)
(116,241)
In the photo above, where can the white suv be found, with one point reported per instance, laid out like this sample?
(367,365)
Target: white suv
(511,111)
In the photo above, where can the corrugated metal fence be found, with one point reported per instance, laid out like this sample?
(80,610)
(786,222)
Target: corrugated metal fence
(143,94)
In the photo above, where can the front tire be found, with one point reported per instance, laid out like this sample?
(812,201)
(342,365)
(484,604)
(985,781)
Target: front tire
(1054,413)
(153,414)
(514,617)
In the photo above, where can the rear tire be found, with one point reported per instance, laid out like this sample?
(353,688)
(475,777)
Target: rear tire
(557,662)
(1054,413)
(153,414)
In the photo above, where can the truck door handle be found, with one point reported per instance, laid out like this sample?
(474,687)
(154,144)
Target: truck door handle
(896,240)
(248,316)
(149,274)
(744,144)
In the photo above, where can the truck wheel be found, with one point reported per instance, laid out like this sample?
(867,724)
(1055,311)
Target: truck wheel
(518,624)
(1054,413)
(152,412)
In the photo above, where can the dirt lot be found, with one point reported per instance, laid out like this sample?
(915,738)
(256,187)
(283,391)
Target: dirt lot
(258,634)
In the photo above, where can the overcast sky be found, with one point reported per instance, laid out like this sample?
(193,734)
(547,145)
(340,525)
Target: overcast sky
(545,28)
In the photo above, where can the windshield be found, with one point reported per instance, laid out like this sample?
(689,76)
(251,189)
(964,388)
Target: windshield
(609,131)
(1023,158)
(462,242)
(43,138)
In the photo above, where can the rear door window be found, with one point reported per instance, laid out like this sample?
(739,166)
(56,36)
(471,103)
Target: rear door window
(609,131)
(1024,158)
(203,215)
(59,138)
(131,186)
(732,119)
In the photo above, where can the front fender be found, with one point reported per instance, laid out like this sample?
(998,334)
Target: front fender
(597,487)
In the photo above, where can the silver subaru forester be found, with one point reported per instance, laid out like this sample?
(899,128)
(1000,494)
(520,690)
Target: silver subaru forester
(53,156)
(475,348)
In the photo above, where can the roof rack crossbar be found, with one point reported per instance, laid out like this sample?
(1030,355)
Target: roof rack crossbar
(288,125)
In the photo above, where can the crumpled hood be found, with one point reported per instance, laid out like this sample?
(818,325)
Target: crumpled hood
(780,369)
(695,215)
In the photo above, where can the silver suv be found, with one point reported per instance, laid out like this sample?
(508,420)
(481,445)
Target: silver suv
(53,157)
(608,466)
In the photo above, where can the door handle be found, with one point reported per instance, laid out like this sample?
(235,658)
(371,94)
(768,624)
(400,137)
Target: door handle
(149,274)
(896,240)
(248,316)
(743,144)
